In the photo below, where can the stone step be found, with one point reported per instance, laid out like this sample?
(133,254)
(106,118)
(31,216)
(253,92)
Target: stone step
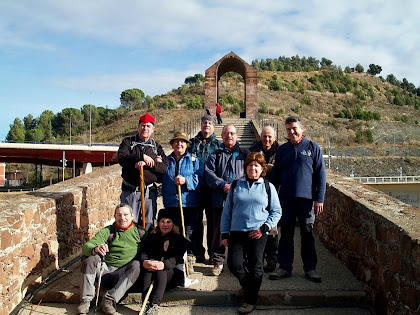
(338,287)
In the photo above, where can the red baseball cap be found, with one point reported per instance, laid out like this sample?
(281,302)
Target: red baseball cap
(147,118)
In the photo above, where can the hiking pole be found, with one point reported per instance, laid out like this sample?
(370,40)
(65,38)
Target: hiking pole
(99,281)
(142,196)
(146,298)
(183,225)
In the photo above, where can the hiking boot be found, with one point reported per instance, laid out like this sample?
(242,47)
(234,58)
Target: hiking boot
(246,308)
(84,307)
(313,276)
(108,306)
(270,267)
(280,274)
(190,262)
(151,309)
(216,270)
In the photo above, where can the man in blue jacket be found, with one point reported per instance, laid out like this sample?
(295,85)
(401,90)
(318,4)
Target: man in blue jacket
(222,167)
(299,172)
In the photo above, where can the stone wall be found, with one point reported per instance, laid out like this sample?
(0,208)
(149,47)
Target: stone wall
(377,238)
(43,230)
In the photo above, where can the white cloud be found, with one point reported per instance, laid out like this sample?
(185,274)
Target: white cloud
(347,32)
(152,83)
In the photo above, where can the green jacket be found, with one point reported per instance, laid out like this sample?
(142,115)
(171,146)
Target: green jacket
(123,247)
(201,147)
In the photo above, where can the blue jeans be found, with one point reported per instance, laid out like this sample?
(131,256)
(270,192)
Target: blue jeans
(250,278)
(293,208)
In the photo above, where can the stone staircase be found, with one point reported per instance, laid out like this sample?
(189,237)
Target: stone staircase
(244,127)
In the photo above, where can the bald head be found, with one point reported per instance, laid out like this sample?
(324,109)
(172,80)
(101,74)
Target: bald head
(268,136)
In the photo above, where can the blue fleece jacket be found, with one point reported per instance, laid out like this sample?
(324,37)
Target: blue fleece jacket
(299,171)
(245,207)
(192,169)
(222,167)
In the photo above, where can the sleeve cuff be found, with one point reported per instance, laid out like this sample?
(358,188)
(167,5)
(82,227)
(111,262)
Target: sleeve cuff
(265,229)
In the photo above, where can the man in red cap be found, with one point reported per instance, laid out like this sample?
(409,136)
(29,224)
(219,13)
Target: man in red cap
(139,151)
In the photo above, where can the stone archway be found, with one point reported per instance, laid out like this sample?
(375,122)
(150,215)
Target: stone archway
(232,62)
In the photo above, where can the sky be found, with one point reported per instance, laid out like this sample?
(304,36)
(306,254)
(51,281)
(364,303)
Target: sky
(60,54)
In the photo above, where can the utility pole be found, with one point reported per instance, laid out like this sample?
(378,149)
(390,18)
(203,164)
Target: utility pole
(394,140)
(70,129)
(90,119)
(64,161)
(329,153)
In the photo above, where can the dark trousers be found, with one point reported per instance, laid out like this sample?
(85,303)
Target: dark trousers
(293,208)
(218,250)
(271,249)
(205,206)
(190,221)
(160,280)
(250,278)
(219,119)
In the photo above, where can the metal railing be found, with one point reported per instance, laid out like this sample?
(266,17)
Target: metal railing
(388,179)
(191,125)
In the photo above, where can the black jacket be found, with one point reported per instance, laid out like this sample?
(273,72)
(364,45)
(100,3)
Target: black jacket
(153,248)
(130,152)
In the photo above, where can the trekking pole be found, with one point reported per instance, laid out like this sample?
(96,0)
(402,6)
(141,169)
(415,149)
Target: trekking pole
(146,298)
(99,281)
(142,196)
(183,225)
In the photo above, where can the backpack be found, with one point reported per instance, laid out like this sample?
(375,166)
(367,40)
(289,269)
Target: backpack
(267,189)
(219,152)
(134,143)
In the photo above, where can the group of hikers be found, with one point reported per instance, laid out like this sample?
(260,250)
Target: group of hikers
(246,195)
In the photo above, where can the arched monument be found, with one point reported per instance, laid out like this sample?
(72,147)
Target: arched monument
(232,62)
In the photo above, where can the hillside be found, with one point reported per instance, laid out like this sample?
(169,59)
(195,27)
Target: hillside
(391,141)
(320,111)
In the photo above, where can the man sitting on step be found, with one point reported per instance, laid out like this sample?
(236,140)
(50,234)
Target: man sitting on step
(119,244)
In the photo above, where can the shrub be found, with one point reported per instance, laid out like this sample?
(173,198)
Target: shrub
(359,94)
(369,135)
(263,108)
(302,89)
(307,100)
(274,85)
(377,116)
(235,108)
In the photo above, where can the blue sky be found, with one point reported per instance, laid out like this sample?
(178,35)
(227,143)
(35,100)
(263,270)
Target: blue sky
(58,54)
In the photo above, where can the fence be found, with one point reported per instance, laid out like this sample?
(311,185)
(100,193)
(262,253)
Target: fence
(388,179)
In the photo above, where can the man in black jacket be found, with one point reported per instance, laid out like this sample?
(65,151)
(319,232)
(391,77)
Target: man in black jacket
(134,153)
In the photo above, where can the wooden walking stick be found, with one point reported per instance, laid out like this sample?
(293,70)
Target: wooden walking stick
(146,298)
(183,225)
(142,196)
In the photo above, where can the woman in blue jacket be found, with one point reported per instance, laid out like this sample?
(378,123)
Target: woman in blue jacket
(184,170)
(250,212)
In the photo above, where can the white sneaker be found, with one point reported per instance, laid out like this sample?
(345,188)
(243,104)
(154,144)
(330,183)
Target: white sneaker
(216,270)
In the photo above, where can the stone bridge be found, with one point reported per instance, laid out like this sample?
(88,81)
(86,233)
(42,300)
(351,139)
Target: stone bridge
(376,236)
